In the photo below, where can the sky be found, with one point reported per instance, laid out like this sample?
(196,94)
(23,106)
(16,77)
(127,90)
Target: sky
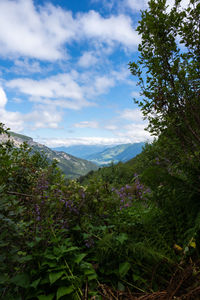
(64,76)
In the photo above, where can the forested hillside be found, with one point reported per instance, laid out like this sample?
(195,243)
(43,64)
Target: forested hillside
(128,231)
(72,166)
(116,154)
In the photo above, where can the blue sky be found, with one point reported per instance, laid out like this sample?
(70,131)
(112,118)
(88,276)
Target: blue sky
(64,76)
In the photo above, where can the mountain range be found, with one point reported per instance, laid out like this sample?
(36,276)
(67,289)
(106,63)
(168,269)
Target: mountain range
(78,160)
(72,166)
(104,155)
(83,151)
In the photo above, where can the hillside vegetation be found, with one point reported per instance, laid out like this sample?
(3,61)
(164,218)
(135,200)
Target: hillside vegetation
(116,154)
(128,231)
(72,166)
(105,154)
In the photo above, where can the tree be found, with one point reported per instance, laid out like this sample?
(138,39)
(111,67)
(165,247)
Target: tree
(168,69)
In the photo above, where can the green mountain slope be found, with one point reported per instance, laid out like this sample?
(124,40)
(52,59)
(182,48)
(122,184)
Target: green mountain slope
(72,166)
(83,151)
(116,154)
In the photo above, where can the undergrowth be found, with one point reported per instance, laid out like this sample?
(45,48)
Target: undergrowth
(64,239)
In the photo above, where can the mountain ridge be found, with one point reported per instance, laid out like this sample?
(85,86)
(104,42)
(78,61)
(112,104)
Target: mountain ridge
(82,151)
(72,166)
(119,153)
(109,153)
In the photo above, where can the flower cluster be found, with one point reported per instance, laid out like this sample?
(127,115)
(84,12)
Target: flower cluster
(125,195)
(128,193)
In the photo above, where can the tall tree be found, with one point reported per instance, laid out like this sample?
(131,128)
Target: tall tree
(168,69)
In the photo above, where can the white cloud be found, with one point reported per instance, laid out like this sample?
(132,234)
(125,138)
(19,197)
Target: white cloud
(87,124)
(87,59)
(56,142)
(135,132)
(3,98)
(121,75)
(134,115)
(25,66)
(61,85)
(43,117)
(34,32)
(103,83)
(136,5)
(106,3)
(134,129)
(40,117)
(68,90)
(111,127)
(135,94)
(42,32)
(59,90)
(12,120)
(113,29)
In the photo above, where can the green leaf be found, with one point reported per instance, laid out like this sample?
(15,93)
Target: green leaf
(120,286)
(50,256)
(124,268)
(89,272)
(79,258)
(51,264)
(21,280)
(73,248)
(122,237)
(35,283)
(62,291)
(3,278)
(44,297)
(92,277)
(55,276)
(2,187)
(25,258)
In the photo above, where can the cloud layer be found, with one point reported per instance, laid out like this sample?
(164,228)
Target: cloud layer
(44,74)
(42,32)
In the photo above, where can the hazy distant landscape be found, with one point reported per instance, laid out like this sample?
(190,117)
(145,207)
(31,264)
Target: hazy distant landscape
(88,158)
(104,155)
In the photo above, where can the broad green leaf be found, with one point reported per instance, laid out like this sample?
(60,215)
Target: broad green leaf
(44,297)
(35,283)
(92,277)
(62,291)
(80,257)
(124,268)
(51,264)
(89,272)
(55,276)
(21,280)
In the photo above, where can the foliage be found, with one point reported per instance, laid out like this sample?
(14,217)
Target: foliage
(129,227)
(169,71)
(60,239)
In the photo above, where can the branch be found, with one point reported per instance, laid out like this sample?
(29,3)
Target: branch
(19,194)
